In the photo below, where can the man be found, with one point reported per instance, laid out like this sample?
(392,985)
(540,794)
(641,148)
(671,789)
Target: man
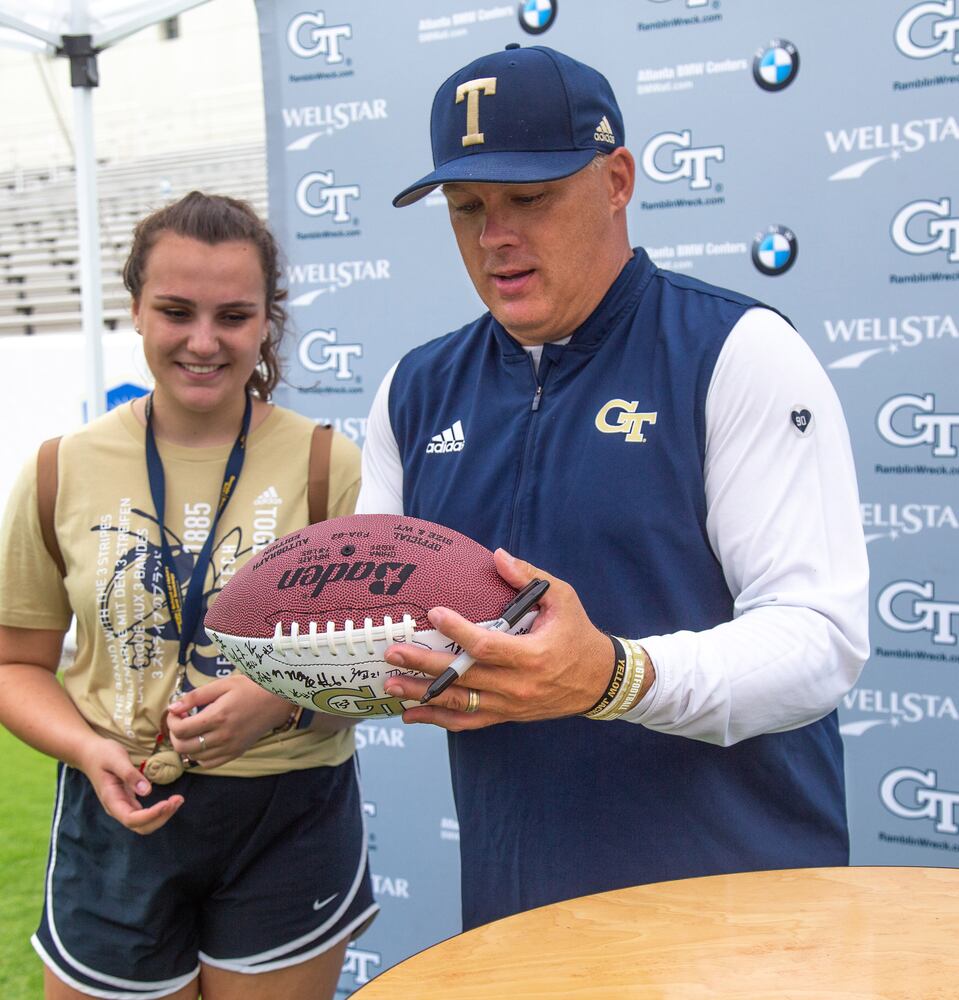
(672,458)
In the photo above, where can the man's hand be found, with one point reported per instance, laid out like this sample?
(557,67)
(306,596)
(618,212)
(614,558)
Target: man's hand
(562,667)
(118,784)
(235,714)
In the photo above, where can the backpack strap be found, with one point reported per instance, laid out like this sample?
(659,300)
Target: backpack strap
(318,483)
(47,499)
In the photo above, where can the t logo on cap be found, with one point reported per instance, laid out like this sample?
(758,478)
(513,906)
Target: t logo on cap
(471,91)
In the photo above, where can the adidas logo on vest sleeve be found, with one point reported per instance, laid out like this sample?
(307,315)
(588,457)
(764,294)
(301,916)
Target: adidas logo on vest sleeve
(452,439)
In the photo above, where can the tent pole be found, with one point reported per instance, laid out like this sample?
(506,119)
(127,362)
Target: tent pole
(88,231)
(84,76)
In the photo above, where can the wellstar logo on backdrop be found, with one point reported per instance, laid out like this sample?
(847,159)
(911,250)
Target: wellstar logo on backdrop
(929,29)
(379,736)
(925,226)
(327,119)
(327,277)
(385,885)
(894,708)
(890,520)
(671,156)
(887,142)
(910,606)
(888,336)
(352,427)
(308,36)
(910,421)
(912,794)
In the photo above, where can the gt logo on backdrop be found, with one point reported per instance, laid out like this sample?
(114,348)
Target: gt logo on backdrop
(929,29)
(918,610)
(335,357)
(912,794)
(680,160)
(333,199)
(359,963)
(925,427)
(308,36)
(628,421)
(937,230)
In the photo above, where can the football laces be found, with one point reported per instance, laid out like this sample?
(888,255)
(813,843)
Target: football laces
(334,641)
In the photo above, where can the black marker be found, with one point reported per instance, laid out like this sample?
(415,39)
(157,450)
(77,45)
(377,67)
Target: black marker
(512,613)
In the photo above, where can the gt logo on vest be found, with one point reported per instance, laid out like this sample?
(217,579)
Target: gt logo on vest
(628,421)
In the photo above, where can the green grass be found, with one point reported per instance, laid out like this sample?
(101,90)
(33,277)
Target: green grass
(27,781)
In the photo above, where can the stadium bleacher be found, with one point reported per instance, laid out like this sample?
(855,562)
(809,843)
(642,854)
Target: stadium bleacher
(40,283)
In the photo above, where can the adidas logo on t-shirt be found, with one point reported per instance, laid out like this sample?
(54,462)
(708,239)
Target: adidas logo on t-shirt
(268,498)
(604,132)
(452,439)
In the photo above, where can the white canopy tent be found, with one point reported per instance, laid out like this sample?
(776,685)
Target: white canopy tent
(78,30)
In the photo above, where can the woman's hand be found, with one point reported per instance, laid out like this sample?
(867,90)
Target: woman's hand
(119,787)
(235,714)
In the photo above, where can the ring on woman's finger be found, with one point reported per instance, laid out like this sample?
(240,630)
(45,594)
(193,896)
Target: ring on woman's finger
(202,740)
(472,705)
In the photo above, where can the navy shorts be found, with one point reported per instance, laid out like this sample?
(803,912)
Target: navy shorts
(250,875)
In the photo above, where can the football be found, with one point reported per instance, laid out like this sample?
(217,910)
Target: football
(310,616)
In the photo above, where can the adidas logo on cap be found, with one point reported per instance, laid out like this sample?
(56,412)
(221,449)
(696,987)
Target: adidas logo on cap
(604,132)
(452,439)
(268,498)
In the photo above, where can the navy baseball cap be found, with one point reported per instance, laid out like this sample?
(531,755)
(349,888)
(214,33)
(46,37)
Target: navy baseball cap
(519,116)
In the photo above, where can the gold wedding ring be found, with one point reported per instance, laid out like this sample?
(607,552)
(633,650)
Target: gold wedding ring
(472,705)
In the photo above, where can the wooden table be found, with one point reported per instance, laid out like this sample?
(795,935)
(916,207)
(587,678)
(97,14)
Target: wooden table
(804,934)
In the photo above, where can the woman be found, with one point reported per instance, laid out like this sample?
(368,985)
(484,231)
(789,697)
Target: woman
(253,877)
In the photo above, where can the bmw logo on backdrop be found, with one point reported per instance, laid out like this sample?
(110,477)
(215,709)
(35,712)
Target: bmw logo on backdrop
(775,250)
(536,16)
(776,65)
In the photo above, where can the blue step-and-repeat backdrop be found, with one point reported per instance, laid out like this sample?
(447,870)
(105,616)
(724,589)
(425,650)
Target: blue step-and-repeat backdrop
(804,153)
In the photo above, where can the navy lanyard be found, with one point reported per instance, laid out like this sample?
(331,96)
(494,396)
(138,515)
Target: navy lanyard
(185,611)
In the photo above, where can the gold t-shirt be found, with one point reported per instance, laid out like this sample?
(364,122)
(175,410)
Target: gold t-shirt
(126,664)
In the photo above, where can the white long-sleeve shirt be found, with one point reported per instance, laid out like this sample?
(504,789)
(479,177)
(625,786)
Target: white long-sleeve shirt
(784,525)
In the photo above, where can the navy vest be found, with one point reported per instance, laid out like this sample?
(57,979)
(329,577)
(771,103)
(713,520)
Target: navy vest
(593,470)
